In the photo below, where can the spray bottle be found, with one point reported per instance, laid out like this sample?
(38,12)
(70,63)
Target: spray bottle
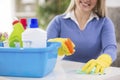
(15,36)
(24,22)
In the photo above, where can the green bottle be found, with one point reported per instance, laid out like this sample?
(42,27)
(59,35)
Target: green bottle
(15,36)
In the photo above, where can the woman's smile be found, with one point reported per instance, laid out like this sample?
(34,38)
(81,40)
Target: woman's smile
(85,4)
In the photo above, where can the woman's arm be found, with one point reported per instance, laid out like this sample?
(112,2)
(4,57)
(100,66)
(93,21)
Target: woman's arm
(108,39)
(53,29)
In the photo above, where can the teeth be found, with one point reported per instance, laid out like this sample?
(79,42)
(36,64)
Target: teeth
(84,3)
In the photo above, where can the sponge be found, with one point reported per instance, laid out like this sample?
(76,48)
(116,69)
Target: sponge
(67,46)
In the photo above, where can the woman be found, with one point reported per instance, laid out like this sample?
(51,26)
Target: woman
(86,24)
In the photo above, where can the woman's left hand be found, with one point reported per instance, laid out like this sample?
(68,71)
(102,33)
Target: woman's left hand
(99,64)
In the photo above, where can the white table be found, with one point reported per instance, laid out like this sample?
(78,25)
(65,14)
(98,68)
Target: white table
(66,70)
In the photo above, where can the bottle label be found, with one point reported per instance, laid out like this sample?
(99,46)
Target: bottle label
(27,44)
(17,44)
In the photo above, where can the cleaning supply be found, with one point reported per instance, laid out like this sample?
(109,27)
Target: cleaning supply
(24,22)
(15,36)
(67,46)
(3,36)
(1,44)
(34,37)
(28,22)
(102,62)
(4,39)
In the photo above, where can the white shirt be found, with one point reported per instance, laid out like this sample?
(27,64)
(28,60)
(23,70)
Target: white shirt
(72,16)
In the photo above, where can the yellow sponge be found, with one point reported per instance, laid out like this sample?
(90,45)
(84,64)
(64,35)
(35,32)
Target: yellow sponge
(67,46)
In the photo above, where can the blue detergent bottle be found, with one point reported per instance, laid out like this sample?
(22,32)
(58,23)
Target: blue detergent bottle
(33,36)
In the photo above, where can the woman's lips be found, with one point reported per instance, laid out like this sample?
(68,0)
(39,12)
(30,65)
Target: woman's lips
(85,4)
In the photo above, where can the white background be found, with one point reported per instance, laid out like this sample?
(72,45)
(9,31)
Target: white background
(6,13)
(113,3)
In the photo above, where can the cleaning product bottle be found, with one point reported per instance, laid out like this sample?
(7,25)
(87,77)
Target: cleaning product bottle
(24,22)
(34,37)
(16,36)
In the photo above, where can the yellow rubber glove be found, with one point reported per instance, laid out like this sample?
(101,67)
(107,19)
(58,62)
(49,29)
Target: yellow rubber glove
(102,62)
(67,46)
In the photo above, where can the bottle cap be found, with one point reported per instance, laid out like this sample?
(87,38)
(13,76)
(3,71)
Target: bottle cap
(24,22)
(14,22)
(34,23)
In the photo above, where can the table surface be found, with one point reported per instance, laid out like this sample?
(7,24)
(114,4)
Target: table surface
(66,70)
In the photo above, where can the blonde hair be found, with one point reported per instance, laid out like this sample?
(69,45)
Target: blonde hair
(99,9)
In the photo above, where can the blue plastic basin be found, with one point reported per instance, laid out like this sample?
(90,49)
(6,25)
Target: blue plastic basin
(28,62)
